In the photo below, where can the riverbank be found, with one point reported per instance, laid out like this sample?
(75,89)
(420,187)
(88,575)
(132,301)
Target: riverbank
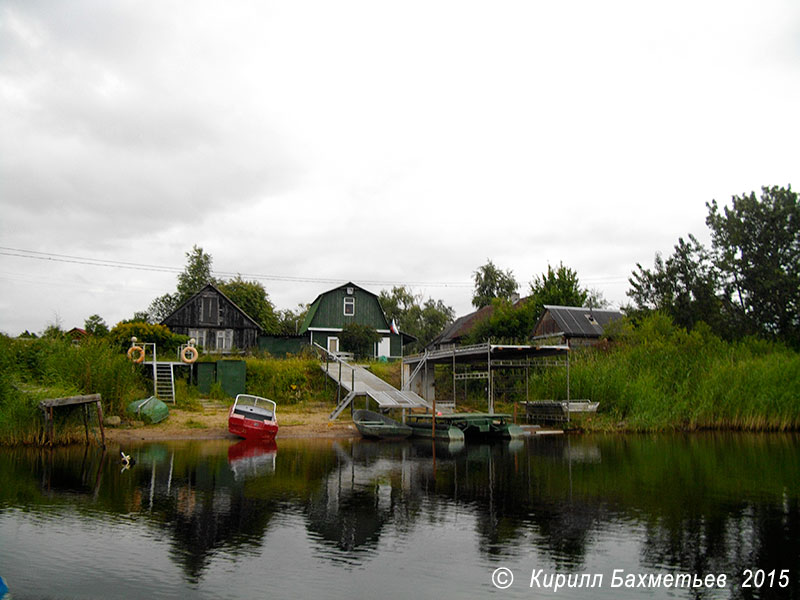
(210,422)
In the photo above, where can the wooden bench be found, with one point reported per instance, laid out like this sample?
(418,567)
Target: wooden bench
(48,405)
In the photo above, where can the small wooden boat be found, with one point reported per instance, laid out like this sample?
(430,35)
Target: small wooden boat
(371,424)
(253,417)
(150,410)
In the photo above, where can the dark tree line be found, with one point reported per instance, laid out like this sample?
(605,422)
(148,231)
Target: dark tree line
(747,283)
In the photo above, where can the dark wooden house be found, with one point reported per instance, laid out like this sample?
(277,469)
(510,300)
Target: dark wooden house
(215,322)
(574,325)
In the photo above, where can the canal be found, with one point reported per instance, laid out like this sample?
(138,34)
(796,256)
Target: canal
(645,516)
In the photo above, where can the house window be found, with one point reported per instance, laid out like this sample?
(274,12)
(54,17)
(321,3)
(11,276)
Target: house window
(199,336)
(209,310)
(349,306)
(225,340)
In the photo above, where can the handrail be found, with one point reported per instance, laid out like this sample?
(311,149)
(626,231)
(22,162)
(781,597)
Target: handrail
(407,384)
(332,354)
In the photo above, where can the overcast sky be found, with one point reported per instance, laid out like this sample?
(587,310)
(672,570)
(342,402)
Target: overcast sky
(313,142)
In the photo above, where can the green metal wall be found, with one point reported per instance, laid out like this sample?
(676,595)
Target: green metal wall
(231,375)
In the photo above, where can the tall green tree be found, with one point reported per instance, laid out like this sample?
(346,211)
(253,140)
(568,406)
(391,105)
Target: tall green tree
(492,282)
(253,299)
(560,287)
(289,321)
(756,246)
(95,325)
(748,283)
(195,275)
(684,286)
(160,308)
(424,320)
(514,321)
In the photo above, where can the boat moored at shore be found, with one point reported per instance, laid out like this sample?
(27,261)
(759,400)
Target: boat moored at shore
(253,417)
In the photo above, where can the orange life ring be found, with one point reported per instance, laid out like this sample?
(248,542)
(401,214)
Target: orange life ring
(189,350)
(138,349)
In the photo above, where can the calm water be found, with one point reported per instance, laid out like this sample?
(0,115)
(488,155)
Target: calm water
(305,519)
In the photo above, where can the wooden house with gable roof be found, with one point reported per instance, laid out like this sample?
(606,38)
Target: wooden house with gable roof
(574,325)
(215,322)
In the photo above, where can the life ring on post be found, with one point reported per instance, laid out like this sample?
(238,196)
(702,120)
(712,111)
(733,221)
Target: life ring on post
(133,350)
(189,354)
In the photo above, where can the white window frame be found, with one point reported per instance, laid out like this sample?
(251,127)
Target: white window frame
(349,301)
(199,336)
(224,340)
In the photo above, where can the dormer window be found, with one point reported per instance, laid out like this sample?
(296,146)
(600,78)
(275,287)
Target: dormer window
(349,306)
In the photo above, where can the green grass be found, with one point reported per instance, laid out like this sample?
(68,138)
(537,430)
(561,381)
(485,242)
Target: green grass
(33,370)
(661,377)
(292,380)
(656,377)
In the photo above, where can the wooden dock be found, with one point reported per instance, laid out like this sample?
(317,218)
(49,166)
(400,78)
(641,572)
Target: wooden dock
(49,405)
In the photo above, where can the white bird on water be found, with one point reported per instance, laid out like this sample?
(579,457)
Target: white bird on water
(126,459)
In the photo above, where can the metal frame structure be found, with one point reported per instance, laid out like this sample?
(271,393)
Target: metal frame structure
(480,361)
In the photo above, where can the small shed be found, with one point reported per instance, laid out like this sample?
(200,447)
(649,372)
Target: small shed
(574,325)
(215,322)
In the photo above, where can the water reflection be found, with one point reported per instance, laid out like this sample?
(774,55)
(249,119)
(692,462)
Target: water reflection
(698,504)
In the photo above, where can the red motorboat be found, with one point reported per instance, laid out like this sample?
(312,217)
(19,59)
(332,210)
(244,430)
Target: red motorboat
(253,418)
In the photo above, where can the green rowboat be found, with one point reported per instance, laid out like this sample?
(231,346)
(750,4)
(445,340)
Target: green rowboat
(371,424)
(150,410)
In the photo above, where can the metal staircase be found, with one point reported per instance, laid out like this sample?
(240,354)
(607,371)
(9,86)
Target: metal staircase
(358,381)
(342,405)
(164,381)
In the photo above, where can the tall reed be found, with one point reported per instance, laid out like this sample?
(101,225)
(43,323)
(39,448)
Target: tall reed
(32,370)
(661,377)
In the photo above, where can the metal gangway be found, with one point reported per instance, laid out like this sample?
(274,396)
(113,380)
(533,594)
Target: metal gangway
(356,381)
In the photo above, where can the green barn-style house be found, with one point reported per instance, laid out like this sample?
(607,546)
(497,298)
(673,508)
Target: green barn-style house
(330,312)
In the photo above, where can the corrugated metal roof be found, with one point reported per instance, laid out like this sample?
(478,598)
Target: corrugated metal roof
(581,321)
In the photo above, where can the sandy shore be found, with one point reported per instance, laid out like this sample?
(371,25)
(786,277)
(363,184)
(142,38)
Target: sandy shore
(211,422)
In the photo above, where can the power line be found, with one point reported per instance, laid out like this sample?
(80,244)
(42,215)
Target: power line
(115,264)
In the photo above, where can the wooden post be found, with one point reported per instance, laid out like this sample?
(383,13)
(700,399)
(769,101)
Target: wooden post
(100,422)
(568,385)
(490,392)
(339,385)
(454,377)
(85,411)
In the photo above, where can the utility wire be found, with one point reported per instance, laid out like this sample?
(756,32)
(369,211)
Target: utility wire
(115,264)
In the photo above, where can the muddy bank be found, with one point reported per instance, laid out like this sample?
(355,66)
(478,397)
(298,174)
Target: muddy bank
(211,423)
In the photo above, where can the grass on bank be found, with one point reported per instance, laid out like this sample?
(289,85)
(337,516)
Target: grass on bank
(653,377)
(32,370)
(660,377)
